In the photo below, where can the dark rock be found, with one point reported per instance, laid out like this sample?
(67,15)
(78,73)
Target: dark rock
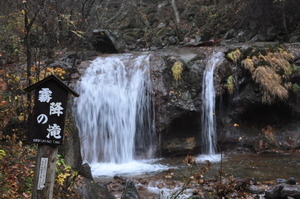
(274,192)
(86,171)
(295,38)
(281,181)
(229,34)
(206,36)
(271,33)
(71,151)
(172,40)
(290,191)
(241,36)
(130,191)
(283,191)
(92,190)
(161,25)
(259,196)
(131,47)
(106,41)
(291,181)
(255,189)
(258,38)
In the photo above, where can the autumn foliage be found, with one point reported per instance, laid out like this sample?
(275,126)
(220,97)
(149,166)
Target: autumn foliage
(17,158)
(17,163)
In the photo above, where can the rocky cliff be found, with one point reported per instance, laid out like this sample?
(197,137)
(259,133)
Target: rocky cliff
(245,120)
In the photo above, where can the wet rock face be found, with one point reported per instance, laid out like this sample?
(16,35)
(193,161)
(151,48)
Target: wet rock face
(247,123)
(178,100)
(244,122)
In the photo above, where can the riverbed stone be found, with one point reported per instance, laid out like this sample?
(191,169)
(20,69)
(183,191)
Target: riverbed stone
(281,181)
(283,191)
(290,191)
(273,193)
(130,191)
(93,190)
(255,189)
(291,181)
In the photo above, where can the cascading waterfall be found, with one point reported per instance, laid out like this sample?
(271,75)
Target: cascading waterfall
(114,113)
(209,139)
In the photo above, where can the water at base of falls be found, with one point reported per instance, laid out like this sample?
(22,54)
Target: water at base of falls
(210,158)
(209,140)
(132,168)
(114,110)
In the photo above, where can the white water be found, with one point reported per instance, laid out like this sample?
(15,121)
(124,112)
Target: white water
(114,114)
(132,168)
(209,139)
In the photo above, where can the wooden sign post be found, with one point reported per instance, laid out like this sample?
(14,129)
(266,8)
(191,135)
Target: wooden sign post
(46,129)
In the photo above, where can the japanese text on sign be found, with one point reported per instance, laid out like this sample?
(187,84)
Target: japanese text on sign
(55,108)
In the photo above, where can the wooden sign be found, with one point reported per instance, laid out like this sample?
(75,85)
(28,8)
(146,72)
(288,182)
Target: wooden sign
(46,129)
(50,106)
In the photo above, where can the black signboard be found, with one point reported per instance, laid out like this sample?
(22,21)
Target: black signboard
(49,112)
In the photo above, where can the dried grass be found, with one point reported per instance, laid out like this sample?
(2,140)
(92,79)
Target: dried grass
(271,70)
(248,64)
(279,60)
(270,83)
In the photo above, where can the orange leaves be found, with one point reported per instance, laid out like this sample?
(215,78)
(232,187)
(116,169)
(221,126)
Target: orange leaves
(16,168)
(40,72)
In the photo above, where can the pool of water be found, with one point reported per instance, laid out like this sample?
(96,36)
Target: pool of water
(262,167)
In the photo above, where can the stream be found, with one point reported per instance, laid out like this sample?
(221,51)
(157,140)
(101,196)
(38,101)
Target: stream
(265,168)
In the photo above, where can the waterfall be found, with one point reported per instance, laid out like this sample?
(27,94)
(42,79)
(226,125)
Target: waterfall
(209,138)
(114,114)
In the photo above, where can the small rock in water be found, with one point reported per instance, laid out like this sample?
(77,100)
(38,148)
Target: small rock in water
(130,191)
(255,189)
(160,185)
(281,181)
(143,181)
(141,188)
(274,192)
(291,181)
